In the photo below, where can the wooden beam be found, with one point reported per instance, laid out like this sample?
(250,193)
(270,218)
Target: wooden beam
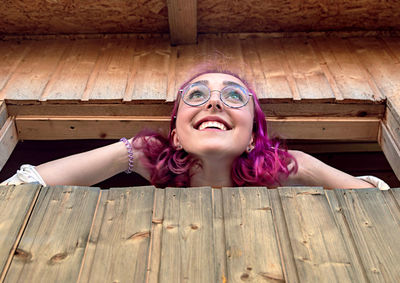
(8,140)
(390,149)
(3,113)
(55,128)
(182,18)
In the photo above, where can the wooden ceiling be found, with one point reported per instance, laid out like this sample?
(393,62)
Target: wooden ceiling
(190,17)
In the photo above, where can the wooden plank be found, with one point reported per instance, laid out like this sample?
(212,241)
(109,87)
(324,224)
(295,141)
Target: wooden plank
(282,232)
(182,18)
(55,238)
(220,268)
(8,140)
(375,227)
(120,237)
(53,128)
(154,259)
(396,194)
(56,128)
(11,55)
(251,244)
(351,81)
(381,67)
(71,77)
(165,109)
(310,79)
(35,70)
(111,76)
(149,73)
(392,45)
(355,129)
(319,249)
(16,204)
(273,63)
(390,149)
(187,253)
(3,113)
(393,125)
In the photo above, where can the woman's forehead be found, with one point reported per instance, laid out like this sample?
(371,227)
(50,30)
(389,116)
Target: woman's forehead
(218,78)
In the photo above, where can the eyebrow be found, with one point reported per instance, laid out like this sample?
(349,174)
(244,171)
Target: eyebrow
(224,83)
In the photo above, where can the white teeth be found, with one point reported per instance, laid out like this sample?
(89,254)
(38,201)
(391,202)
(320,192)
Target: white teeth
(212,124)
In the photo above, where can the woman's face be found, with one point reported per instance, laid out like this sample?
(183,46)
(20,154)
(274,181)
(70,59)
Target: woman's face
(199,130)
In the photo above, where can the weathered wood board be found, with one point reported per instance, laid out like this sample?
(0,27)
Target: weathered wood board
(298,234)
(120,236)
(16,204)
(55,238)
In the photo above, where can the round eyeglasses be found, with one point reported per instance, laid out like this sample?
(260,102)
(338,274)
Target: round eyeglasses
(196,94)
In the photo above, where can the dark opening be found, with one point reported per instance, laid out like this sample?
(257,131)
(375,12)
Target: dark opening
(370,161)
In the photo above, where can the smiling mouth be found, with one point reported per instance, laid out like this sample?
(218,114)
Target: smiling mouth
(212,125)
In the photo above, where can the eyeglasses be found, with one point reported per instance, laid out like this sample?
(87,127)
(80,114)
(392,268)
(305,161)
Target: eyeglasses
(196,94)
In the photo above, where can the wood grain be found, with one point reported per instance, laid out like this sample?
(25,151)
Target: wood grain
(16,204)
(120,237)
(3,113)
(348,75)
(72,74)
(310,79)
(251,244)
(370,220)
(318,247)
(8,140)
(187,253)
(390,149)
(54,240)
(35,70)
(182,18)
(154,258)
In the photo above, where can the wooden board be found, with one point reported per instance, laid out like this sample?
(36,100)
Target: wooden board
(53,128)
(378,63)
(55,238)
(311,81)
(154,258)
(71,77)
(187,236)
(370,220)
(110,75)
(16,204)
(319,249)
(390,149)
(182,18)
(35,70)
(350,79)
(120,237)
(3,113)
(11,55)
(252,251)
(8,140)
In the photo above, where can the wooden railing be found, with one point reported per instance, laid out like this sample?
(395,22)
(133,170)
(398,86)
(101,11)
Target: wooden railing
(145,234)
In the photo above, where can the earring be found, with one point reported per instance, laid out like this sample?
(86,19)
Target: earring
(178,147)
(249,149)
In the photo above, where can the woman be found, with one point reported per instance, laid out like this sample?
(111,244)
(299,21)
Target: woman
(217,138)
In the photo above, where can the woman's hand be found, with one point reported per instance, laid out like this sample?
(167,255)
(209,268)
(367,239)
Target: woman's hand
(313,172)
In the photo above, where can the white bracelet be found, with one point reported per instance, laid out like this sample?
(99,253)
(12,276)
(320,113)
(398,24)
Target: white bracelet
(130,155)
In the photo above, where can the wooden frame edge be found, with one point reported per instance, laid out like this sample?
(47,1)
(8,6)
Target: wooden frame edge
(8,140)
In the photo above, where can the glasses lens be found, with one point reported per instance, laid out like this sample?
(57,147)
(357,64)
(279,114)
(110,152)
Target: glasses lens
(234,96)
(196,94)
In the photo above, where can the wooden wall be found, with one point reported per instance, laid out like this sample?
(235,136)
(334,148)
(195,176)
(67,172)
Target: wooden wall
(151,16)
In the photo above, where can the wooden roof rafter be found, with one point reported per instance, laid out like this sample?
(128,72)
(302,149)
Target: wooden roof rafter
(182,18)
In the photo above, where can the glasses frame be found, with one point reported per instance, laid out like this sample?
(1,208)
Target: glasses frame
(186,88)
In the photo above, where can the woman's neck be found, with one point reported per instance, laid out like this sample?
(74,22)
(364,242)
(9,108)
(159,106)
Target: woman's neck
(214,173)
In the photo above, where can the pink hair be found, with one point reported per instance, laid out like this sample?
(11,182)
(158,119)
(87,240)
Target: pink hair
(266,165)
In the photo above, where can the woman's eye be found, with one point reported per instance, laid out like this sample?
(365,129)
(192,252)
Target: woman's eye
(235,95)
(196,95)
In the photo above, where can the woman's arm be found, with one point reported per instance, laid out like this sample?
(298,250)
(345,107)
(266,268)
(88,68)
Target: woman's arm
(313,172)
(91,167)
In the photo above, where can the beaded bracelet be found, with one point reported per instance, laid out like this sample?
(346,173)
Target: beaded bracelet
(130,155)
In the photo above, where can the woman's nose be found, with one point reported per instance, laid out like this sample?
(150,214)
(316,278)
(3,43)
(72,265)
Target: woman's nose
(214,101)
